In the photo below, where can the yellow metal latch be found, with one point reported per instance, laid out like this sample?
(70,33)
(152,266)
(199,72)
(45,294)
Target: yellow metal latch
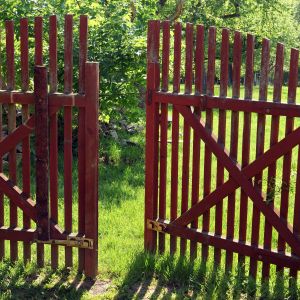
(156,225)
(71,241)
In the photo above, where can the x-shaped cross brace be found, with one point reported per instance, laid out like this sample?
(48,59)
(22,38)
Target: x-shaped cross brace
(240,178)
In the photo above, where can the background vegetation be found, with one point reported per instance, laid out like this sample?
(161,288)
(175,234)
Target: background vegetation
(117,35)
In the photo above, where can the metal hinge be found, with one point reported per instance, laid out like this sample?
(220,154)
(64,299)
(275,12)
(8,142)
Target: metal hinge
(156,225)
(79,242)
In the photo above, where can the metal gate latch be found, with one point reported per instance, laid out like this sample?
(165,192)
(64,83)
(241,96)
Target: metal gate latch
(71,241)
(156,225)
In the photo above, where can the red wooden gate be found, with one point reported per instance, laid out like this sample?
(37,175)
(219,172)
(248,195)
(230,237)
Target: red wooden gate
(260,223)
(40,108)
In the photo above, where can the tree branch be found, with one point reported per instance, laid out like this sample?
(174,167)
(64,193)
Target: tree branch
(178,10)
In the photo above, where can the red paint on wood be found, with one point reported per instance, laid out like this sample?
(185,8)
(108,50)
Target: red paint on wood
(38,36)
(164,132)
(246,140)
(209,124)
(151,151)
(260,139)
(83,45)
(175,132)
(278,81)
(236,79)
(199,68)
(287,159)
(91,173)
(221,134)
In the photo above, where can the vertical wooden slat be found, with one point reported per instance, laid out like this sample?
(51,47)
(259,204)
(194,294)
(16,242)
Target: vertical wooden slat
(38,60)
(91,173)
(10,63)
(53,134)
(260,138)
(296,219)
(83,45)
(41,146)
(68,83)
(209,125)
(199,65)
(38,40)
(236,80)
(286,170)
(221,133)
(186,128)
(164,131)
(246,140)
(151,155)
(175,132)
(278,81)
(25,116)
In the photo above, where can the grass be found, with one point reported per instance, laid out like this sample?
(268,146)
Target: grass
(126,272)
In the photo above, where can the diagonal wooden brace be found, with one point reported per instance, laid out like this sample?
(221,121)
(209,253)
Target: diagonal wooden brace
(271,216)
(249,171)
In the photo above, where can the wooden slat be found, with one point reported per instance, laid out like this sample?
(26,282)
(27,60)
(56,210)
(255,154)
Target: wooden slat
(246,141)
(221,134)
(38,60)
(68,84)
(42,142)
(53,134)
(83,49)
(91,173)
(286,169)
(236,79)
(10,63)
(164,131)
(83,45)
(278,81)
(209,125)
(296,219)
(260,138)
(38,37)
(175,132)
(25,116)
(151,157)
(186,127)
(199,66)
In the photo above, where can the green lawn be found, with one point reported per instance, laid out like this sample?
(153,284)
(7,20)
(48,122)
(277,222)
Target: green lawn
(127,272)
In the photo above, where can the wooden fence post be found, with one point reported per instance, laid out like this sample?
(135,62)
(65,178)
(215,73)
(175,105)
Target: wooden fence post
(41,146)
(91,161)
(151,151)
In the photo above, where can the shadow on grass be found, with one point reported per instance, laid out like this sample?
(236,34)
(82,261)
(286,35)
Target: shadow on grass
(166,277)
(18,281)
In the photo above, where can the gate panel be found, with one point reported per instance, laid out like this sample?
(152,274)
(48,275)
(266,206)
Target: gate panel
(54,226)
(235,230)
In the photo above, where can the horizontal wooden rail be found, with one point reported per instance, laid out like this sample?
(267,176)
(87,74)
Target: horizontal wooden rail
(55,99)
(226,103)
(207,238)
(17,234)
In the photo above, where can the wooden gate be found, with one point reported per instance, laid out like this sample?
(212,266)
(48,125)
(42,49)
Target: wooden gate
(34,141)
(239,180)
